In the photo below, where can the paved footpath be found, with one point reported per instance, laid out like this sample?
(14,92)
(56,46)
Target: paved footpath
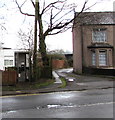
(74,83)
(85,82)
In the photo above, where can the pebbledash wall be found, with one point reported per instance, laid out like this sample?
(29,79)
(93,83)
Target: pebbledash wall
(91,56)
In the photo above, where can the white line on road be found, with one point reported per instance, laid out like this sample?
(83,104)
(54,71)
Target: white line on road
(59,106)
(94,104)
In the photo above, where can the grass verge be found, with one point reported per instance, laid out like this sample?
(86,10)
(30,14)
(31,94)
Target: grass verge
(64,82)
(28,85)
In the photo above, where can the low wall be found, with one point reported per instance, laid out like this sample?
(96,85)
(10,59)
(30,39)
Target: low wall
(57,64)
(98,71)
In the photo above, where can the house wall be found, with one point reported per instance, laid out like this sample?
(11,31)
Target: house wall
(87,37)
(77,50)
(87,41)
(6,54)
(114,45)
(9,55)
(82,38)
(1,59)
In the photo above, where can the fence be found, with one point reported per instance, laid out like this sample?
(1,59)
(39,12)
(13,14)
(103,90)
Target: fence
(0,77)
(9,77)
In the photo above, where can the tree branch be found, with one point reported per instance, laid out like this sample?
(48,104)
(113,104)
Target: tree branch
(20,9)
(62,25)
(33,3)
(50,5)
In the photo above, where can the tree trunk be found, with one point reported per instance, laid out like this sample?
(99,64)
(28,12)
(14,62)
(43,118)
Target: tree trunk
(35,46)
(42,49)
(30,66)
(42,44)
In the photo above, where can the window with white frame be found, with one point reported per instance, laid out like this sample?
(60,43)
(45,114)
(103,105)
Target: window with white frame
(102,58)
(99,35)
(8,62)
(93,58)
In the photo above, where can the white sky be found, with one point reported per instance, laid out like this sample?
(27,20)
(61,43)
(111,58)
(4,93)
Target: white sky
(14,21)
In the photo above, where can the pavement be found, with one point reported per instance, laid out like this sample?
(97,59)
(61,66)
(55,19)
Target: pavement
(74,83)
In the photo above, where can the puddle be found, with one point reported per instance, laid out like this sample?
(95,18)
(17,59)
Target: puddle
(56,106)
(53,106)
(71,80)
(59,106)
(81,83)
(7,112)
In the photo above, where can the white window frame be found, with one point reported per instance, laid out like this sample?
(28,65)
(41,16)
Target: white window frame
(102,58)
(93,58)
(99,35)
(8,62)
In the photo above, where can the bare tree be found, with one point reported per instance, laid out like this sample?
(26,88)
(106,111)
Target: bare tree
(26,38)
(53,18)
(27,44)
(2,20)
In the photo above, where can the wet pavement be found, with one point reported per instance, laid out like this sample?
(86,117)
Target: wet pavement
(83,97)
(74,83)
(71,104)
(85,82)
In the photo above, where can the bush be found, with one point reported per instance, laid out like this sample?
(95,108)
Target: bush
(10,69)
(70,62)
(44,72)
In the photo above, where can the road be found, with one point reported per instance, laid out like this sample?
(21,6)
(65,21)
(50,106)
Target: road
(75,104)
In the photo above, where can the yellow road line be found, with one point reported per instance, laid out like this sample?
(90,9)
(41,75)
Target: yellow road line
(41,93)
(36,94)
(18,95)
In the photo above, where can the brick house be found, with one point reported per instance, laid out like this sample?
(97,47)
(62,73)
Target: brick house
(93,41)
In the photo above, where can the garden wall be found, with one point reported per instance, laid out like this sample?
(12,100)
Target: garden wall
(57,64)
(99,71)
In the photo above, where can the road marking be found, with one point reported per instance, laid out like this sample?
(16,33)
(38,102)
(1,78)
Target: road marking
(60,106)
(18,95)
(39,94)
(89,105)
(44,93)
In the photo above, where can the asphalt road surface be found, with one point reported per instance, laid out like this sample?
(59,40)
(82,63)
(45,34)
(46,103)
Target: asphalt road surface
(83,104)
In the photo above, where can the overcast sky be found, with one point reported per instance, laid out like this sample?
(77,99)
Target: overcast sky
(14,21)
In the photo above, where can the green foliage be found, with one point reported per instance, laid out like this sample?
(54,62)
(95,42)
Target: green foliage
(28,85)
(70,62)
(64,82)
(10,68)
(44,84)
(44,72)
